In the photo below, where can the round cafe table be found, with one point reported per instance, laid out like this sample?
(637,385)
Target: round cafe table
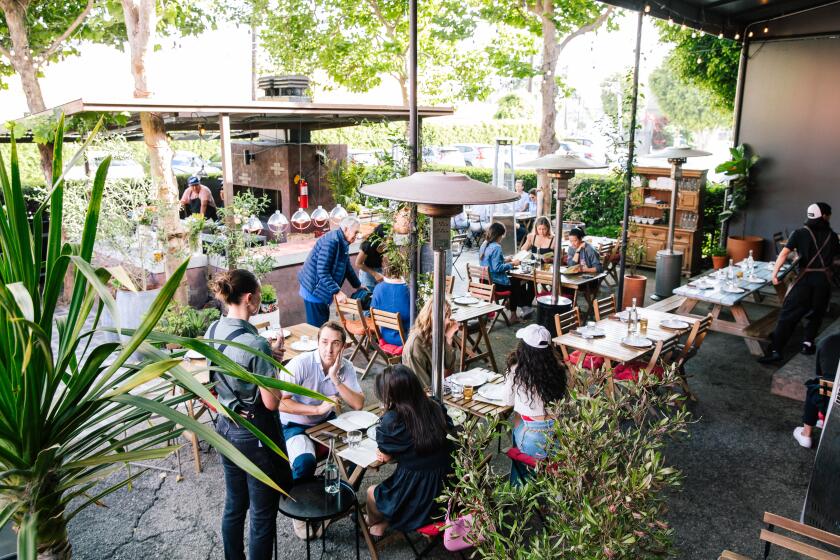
(309,502)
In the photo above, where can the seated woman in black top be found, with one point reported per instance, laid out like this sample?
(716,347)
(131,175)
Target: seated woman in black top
(413,433)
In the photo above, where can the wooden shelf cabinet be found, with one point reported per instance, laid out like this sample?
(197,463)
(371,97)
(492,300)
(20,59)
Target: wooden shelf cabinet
(689,209)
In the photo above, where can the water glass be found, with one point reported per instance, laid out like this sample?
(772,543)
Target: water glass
(456,390)
(590,325)
(331,478)
(353,439)
(643,325)
(304,339)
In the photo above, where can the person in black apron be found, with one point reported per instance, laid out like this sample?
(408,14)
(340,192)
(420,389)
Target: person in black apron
(240,291)
(817,246)
(198,199)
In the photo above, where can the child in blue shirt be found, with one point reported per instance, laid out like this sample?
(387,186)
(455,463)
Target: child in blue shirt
(392,295)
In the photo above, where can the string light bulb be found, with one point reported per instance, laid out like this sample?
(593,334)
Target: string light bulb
(647,8)
(750,34)
(693,34)
(670,22)
(684,27)
(766,30)
(720,35)
(737,36)
(699,60)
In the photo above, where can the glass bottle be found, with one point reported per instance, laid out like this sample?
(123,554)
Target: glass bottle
(751,265)
(730,273)
(632,318)
(331,477)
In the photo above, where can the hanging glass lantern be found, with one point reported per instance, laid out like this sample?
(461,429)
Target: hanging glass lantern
(320,217)
(252,225)
(301,220)
(336,215)
(278,224)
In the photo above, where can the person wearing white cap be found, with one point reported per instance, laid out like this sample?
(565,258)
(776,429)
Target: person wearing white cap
(535,380)
(817,247)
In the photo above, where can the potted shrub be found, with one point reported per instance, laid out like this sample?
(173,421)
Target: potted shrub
(269,298)
(634,283)
(719,257)
(600,493)
(738,170)
(185,321)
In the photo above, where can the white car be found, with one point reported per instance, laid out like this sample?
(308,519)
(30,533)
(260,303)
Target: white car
(119,169)
(445,155)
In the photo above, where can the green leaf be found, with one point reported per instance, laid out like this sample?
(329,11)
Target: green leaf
(27,548)
(221,444)
(126,457)
(149,372)
(23,300)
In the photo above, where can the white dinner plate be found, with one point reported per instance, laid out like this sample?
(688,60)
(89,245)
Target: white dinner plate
(637,341)
(733,290)
(362,418)
(755,280)
(473,377)
(674,324)
(302,346)
(492,391)
(271,334)
(466,300)
(194,355)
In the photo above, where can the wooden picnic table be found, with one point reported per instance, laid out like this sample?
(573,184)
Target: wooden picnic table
(610,346)
(471,349)
(753,331)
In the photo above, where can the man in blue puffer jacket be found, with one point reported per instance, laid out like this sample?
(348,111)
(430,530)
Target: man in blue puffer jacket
(325,270)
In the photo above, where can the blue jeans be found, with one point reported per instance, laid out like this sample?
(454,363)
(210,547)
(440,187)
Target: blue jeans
(367,280)
(245,494)
(316,313)
(530,438)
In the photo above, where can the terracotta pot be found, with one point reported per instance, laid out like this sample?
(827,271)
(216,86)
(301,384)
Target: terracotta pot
(720,262)
(739,247)
(634,287)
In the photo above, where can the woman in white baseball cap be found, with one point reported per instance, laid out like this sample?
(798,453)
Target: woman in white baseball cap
(536,378)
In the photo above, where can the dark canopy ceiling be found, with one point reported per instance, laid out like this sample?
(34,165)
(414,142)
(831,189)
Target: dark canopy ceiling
(722,16)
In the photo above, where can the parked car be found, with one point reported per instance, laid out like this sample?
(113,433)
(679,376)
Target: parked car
(469,151)
(443,155)
(588,147)
(190,163)
(121,168)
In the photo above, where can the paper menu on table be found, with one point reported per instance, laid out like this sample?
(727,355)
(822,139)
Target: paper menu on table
(357,423)
(363,455)
(522,256)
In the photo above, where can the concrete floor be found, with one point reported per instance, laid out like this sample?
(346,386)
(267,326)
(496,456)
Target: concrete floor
(739,461)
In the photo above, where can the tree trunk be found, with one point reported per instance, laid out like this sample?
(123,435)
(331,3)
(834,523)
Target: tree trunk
(548,95)
(140,22)
(24,65)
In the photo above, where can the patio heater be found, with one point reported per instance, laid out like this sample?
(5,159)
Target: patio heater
(439,196)
(560,168)
(668,261)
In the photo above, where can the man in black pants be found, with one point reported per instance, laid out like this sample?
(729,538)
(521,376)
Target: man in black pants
(817,247)
(828,356)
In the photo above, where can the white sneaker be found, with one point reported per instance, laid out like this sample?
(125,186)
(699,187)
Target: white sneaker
(804,441)
(820,424)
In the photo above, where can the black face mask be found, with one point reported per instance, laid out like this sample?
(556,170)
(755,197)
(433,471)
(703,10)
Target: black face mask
(817,223)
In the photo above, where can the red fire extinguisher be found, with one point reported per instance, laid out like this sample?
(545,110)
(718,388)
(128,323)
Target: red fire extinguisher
(303,199)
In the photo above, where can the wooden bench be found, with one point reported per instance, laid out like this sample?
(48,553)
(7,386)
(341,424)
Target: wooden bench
(763,328)
(668,304)
(771,537)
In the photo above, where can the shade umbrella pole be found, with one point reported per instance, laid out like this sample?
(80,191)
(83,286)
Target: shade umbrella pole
(631,155)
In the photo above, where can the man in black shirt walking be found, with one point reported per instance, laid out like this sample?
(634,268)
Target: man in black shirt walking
(817,246)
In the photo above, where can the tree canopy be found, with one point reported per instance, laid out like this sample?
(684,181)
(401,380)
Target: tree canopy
(687,107)
(704,61)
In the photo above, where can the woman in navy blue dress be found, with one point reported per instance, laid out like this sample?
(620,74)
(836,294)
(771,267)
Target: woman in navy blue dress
(413,432)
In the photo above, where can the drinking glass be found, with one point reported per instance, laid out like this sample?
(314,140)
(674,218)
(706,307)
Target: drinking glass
(457,391)
(304,339)
(643,325)
(468,392)
(354,438)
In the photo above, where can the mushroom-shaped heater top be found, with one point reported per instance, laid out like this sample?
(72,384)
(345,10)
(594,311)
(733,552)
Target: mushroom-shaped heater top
(434,190)
(561,162)
(678,153)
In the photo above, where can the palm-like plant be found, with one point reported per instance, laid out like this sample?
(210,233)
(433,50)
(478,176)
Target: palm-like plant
(73,416)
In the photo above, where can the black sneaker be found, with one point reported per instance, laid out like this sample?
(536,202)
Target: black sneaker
(808,348)
(771,357)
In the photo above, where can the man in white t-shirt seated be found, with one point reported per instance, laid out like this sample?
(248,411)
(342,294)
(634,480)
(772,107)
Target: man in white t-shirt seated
(326,371)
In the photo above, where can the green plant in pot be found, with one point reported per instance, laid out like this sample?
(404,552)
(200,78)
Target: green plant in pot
(719,257)
(268,301)
(77,411)
(634,283)
(738,169)
(185,321)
